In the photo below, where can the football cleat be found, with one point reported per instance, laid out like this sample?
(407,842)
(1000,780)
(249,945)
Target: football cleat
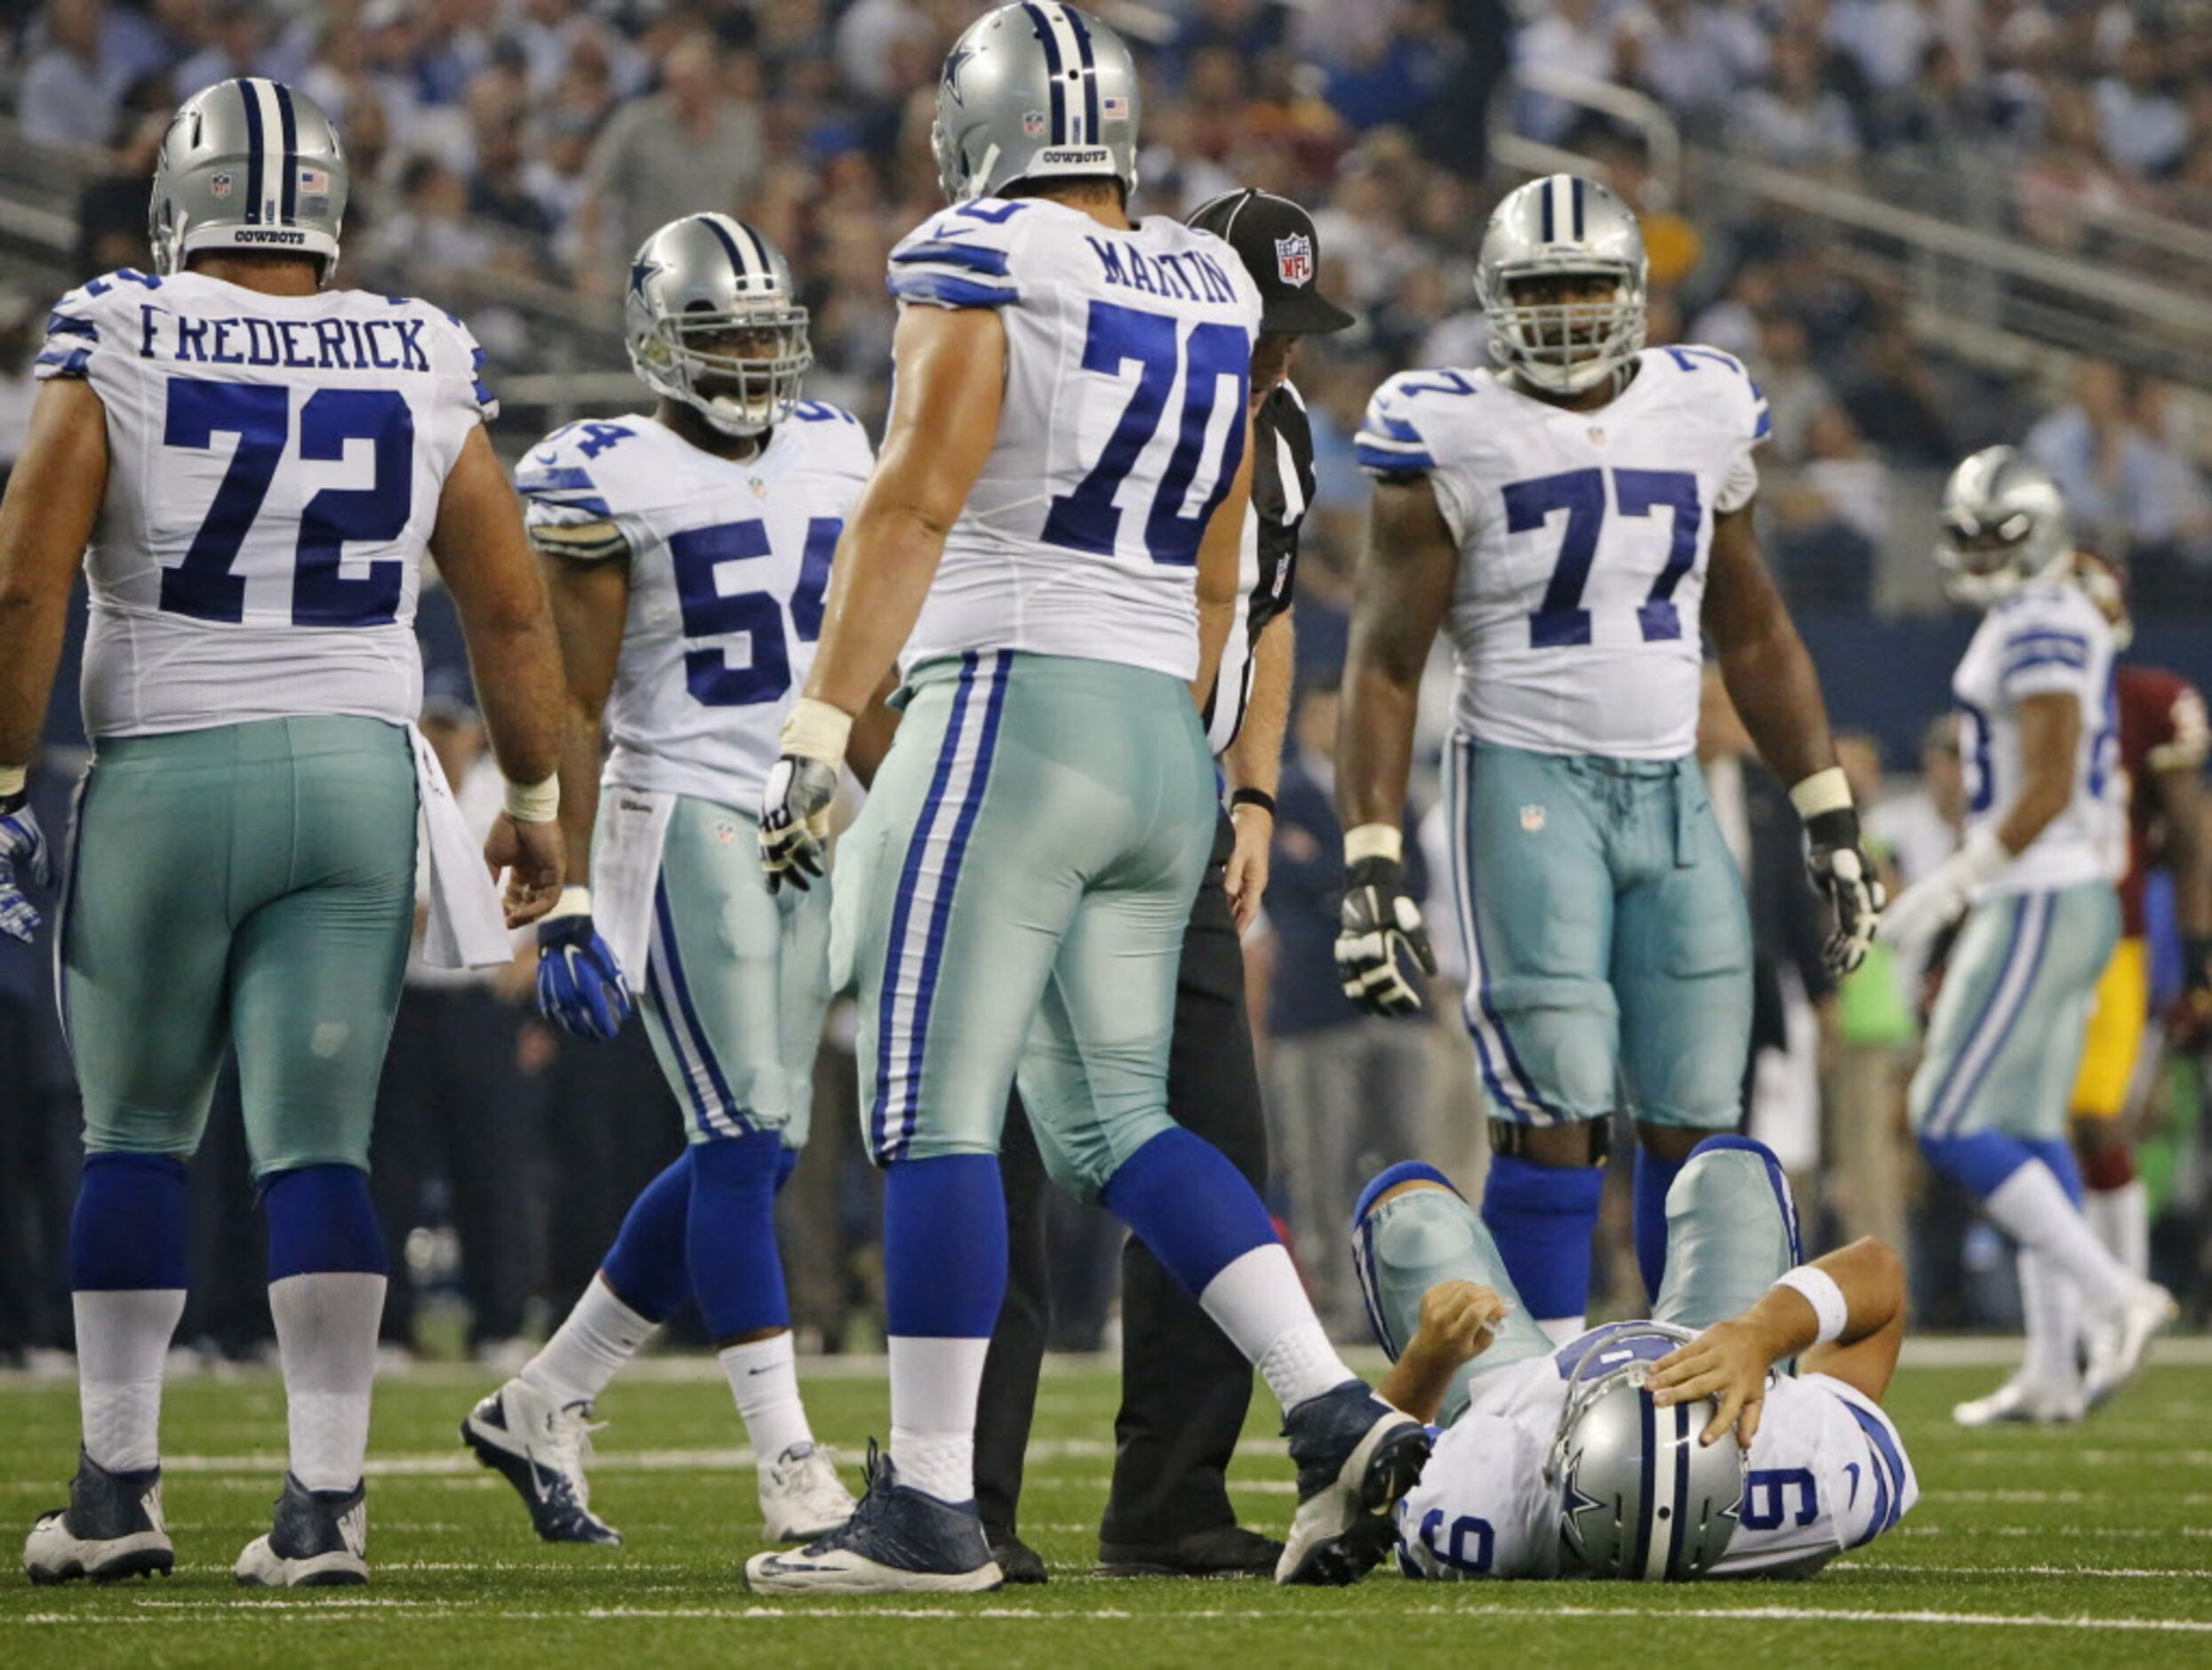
(320,1540)
(1355,1457)
(1224,1551)
(2117,1345)
(111,1530)
(801,1496)
(2021,1400)
(899,1541)
(539,1445)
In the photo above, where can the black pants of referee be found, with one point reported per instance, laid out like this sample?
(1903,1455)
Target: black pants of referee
(1185,1387)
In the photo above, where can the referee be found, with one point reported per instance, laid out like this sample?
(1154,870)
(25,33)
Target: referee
(1185,1388)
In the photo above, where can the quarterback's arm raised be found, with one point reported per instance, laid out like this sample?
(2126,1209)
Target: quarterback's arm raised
(950,366)
(45,522)
(1860,1311)
(1401,592)
(1763,661)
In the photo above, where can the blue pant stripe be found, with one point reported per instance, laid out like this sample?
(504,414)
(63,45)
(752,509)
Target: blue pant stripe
(2008,1000)
(1777,1179)
(684,1018)
(1532,1099)
(1371,1290)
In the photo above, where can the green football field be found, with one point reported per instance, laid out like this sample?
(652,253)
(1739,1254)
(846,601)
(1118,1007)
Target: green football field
(2088,1546)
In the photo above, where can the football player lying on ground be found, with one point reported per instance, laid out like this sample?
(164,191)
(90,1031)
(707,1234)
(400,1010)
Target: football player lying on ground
(1690,1445)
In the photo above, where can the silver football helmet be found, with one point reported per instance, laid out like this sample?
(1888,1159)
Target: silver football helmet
(707,276)
(248,164)
(1562,226)
(1639,1498)
(2004,526)
(1035,91)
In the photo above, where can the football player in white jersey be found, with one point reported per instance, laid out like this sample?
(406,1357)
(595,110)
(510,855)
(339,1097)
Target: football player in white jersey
(1050,545)
(2046,841)
(1739,1432)
(687,554)
(258,462)
(1577,518)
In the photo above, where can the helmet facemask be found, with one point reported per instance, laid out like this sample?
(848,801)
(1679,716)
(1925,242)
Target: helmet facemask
(1563,346)
(741,369)
(1988,556)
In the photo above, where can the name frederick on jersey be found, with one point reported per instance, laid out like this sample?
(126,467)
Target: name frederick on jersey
(294,344)
(1192,275)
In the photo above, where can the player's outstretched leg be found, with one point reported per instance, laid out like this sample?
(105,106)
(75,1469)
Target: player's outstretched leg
(326,1281)
(127,1268)
(535,1431)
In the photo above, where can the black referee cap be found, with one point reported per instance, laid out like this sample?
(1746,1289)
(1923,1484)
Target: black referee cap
(1275,239)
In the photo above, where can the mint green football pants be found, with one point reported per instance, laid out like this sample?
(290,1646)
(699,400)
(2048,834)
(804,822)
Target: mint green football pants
(248,886)
(1015,896)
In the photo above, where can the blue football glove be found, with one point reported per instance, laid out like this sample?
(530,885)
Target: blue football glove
(579,984)
(22,852)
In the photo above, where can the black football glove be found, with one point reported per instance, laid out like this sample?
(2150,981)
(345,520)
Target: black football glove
(1843,874)
(1377,922)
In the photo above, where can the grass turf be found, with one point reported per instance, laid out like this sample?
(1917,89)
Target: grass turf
(2089,1546)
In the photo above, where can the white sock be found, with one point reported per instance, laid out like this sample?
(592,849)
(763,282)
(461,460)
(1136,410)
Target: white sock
(2122,1220)
(764,1379)
(326,1341)
(934,1387)
(122,1342)
(1258,1301)
(1560,1329)
(2032,1208)
(2050,1305)
(598,1339)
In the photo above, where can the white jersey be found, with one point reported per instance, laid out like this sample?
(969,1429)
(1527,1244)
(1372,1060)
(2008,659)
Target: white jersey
(1584,539)
(2044,638)
(275,469)
(1128,359)
(1827,1471)
(729,563)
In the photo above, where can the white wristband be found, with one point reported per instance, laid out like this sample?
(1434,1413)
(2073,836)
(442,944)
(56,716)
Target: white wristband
(816,730)
(11,780)
(1828,791)
(1374,841)
(534,802)
(1818,1289)
(574,901)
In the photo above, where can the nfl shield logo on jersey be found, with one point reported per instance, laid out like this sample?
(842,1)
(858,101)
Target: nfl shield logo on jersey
(1532,818)
(1293,259)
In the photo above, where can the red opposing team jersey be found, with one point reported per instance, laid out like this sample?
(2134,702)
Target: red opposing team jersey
(2162,727)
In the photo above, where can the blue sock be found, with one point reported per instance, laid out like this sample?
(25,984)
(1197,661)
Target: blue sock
(1982,1161)
(321,1221)
(944,1247)
(1655,1176)
(730,1236)
(1190,1208)
(129,1232)
(2059,1156)
(1542,1218)
(646,1267)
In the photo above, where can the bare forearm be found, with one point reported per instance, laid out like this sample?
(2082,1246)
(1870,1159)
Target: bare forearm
(1775,687)
(31,631)
(516,663)
(1419,1379)
(1375,744)
(53,500)
(2036,808)
(580,790)
(1868,1274)
(885,564)
(1216,618)
(1255,760)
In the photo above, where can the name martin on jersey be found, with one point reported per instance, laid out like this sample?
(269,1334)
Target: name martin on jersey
(1163,274)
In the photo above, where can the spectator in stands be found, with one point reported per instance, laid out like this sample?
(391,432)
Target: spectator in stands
(1879,42)
(1794,121)
(1691,58)
(1832,516)
(1572,36)
(2140,122)
(74,78)
(242,40)
(1796,392)
(1896,396)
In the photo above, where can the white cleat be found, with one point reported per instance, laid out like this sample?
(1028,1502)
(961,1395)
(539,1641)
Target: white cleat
(111,1530)
(2122,1338)
(2022,1401)
(539,1445)
(801,1496)
(320,1540)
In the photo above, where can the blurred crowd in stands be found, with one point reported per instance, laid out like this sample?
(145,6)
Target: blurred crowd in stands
(513,152)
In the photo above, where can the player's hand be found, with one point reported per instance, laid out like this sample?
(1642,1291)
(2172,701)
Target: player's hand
(533,855)
(1727,1362)
(579,983)
(1924,910)
(1248,862)
(1377,922)
(1843,875)
(1459,1319)
(794,821)
(23,853)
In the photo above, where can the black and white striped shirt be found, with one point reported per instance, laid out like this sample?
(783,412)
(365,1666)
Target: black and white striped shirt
(1282,490)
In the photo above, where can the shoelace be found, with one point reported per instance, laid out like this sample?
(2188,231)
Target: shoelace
(569,1440)
(877,1471)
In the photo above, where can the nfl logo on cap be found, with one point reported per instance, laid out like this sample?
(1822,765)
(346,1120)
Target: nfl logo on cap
(1293,259)
(219,185)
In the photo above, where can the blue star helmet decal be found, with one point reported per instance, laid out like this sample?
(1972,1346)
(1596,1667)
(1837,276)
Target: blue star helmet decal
(639,271)
(958,56)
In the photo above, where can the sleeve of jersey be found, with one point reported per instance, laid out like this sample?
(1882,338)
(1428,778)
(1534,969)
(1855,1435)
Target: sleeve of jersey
(73,337)
(1392,440)
(1480,1508)
(959,259)
(2045,650)
(468,372)
(1741,484)
(564,507)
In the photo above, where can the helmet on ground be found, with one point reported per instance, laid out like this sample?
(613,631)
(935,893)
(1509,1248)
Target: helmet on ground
(2004,526)
(712,319)
(247,164)
(1035,91)
(1641,1499)
(1562,227)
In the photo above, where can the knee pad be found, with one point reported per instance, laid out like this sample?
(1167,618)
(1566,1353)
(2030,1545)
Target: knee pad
(1740,1177)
